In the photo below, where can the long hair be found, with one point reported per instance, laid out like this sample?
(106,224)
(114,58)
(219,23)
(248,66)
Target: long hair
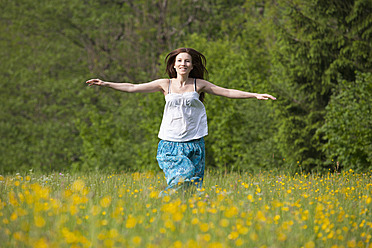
(198,62)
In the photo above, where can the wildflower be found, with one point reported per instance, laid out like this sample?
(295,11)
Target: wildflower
(195,221)
(105,202)
(224,223)
(253,236)
(233,235)
(113,233)
(204,227)
(215,245)
(309,244)
(78,185)
(169,224)
(41,243)
(351,243)
(260,216)
(177,216)
(282,236)
(177,244)
(39,221)
(239,242)
(131,222)
(231,212)
(13,216)
(95,210)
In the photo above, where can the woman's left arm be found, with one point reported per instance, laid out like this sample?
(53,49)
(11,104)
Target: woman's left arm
(210,88)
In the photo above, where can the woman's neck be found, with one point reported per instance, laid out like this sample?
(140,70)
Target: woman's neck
(182,79)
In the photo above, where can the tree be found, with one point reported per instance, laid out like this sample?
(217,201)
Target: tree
(347,128)
(317,42)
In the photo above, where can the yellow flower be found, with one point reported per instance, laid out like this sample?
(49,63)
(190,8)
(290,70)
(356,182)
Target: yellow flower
(260,216)
(41,243)
(131,222)
(239,242)
(177,244)
(215,245)
(14,216)
(282,236)
(13,199)
(192,244)
(169,224)
(39,221)
(351,243)
(253,236)
(137,240)
(195,221)
(73,210)
(177,216)
(78,185)
(207,237)
(95,210)
(233,235)
(243,230)
(18,236)
(204,227)
(113,233)
(153,194)
(105,201)
(231,212)
(224,222)
(310,244)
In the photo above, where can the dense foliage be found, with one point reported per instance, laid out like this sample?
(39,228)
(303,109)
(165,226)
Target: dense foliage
(314,56)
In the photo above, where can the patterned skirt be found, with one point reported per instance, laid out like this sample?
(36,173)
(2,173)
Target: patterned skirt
(183,163)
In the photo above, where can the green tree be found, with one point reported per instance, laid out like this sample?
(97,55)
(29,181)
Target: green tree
(317,42)
(347,129)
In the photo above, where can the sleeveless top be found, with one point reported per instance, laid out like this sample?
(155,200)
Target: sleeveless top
(184,117)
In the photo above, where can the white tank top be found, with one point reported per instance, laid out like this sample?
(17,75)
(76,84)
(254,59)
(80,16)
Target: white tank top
(184,117)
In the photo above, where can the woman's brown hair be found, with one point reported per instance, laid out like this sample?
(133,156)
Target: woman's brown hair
(198,62)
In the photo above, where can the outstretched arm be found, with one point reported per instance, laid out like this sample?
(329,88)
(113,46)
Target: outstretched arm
(231,93)
(154,86)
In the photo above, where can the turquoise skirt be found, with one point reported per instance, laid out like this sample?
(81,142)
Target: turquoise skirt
(183,163)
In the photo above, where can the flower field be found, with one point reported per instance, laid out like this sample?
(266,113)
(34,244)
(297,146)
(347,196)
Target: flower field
(232,210)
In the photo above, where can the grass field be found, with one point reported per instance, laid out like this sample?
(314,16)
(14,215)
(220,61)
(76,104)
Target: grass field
(232,210)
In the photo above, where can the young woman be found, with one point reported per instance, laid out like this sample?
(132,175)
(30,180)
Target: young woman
(181,150)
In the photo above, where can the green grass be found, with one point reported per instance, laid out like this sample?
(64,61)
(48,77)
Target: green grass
(233,210)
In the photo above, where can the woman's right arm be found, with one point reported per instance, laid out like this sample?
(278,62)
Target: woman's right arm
(154,86)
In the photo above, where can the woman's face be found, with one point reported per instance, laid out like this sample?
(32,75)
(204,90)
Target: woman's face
(183,63)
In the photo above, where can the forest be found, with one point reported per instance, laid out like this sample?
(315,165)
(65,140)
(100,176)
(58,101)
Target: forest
(314,56)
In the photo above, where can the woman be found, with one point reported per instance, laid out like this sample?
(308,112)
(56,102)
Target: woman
(181,150)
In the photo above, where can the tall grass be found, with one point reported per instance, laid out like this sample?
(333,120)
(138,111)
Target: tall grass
(232,210)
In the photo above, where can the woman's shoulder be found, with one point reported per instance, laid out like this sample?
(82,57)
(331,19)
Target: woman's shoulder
(161,81)
(202,82)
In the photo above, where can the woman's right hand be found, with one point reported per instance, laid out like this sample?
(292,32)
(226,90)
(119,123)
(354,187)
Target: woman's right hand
(96,81)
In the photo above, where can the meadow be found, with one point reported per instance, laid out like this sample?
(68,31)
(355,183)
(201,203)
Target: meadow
(267,209)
